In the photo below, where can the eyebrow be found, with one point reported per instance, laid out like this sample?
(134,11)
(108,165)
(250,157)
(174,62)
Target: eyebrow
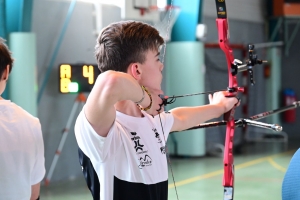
(157,54)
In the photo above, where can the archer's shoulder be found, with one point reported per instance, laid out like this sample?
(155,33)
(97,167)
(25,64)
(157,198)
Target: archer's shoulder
(19,116)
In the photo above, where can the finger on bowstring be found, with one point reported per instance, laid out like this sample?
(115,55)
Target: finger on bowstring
(160,111)
(164,100)
(160,107)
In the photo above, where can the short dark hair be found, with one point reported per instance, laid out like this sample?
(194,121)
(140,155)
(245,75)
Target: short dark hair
(122,43)
(5,57)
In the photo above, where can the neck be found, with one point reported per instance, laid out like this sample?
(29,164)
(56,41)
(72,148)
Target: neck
(128,108)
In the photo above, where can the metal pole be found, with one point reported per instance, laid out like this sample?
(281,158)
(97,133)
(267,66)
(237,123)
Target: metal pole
(80,99)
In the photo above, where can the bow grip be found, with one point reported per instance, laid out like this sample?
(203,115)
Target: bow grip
(231,92)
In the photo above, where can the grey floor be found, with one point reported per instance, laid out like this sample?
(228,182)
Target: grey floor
(259,171)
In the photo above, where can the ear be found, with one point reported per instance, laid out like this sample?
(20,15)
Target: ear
(135,70)
(6,73)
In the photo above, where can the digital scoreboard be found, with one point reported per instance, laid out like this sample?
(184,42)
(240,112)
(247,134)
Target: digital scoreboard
(76,78)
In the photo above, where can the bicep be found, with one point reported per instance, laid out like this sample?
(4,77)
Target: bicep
(178,124)
(185,117)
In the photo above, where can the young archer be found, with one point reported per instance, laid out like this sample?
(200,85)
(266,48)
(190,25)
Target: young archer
(120,128)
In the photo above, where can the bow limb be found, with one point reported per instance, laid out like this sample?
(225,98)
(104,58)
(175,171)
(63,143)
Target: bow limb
(222,26)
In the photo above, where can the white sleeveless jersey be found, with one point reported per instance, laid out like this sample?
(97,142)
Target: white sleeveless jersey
(131,161)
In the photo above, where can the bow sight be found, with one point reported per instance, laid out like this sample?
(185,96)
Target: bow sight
(237,66)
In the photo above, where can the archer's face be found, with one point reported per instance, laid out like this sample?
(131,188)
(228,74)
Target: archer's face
(152,70)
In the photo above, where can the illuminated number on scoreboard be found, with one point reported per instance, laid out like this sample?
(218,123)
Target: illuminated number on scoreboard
(77,78)
(88,72)
(65,78)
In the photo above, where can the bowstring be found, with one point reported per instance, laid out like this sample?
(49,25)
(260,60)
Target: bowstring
(168,157)
(168,30)
(163,59)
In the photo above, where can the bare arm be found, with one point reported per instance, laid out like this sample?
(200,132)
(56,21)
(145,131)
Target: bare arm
(110,88)
(35,191)
(187,117)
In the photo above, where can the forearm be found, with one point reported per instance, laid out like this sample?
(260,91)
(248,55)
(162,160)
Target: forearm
(35,191)
(187,117)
